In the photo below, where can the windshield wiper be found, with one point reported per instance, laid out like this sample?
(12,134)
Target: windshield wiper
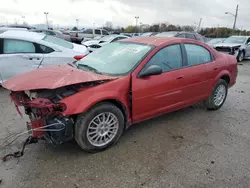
(92,69)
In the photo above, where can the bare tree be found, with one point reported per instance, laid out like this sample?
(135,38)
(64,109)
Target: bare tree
(108,26)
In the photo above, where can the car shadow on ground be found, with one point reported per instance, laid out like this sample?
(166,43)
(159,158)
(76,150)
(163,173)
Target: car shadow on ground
(133,134)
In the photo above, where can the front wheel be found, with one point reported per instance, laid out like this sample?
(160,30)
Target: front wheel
(240,56)
(99,128)
(218,96)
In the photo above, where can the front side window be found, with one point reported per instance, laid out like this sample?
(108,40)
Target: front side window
(11,46)
(117,58)
(58,42)
(197,54)
(104,32)
(168,58)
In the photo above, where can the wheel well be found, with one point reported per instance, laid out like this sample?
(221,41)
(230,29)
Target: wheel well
(226,78)
(119,105)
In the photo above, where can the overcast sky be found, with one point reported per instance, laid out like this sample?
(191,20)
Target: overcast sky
(123,12)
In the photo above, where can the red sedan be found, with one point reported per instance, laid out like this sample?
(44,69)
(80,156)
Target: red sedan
(121,84)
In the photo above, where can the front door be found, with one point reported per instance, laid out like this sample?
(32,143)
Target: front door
(157,94)
(18,57)
(248,48)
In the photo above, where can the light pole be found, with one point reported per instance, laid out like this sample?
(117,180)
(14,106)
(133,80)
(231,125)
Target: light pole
(46,15)
(136,19)
(23,19)
(77,20)
(234,15)
(199,25)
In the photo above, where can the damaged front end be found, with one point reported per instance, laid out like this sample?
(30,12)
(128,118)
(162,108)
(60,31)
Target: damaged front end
(45,114)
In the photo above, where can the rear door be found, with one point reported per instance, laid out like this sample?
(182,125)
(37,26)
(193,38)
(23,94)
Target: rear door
(18,56)
(157,94)
(195,72)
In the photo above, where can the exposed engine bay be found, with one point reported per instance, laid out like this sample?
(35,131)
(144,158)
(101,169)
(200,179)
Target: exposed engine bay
(45,111)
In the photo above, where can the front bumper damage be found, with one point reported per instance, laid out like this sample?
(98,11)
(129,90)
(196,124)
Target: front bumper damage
(46,119)
(229,50)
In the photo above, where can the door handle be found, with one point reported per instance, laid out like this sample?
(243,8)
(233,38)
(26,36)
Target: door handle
(180,77)
(216,68)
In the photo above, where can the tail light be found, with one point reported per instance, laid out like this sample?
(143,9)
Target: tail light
(76,34)
(79,57)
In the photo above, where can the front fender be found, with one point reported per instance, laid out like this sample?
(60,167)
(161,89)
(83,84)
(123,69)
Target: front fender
(113,90)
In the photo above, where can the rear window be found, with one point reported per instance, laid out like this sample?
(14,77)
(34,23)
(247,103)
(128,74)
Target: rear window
(58,42)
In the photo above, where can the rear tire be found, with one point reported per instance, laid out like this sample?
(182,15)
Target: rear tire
(218,96)
(96,122)
(240,56)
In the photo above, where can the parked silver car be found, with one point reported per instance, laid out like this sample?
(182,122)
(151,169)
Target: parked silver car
(53,33)
(87,34)
(239,46)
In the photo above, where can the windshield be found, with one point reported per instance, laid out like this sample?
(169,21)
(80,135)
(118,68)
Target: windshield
(58,42)
(214,41)
(117,58)
(236,40)
(166,34)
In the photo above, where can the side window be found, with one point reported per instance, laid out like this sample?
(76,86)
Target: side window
(181,35)
(168,58)
(45,49)
(50,33)
(197,54)
(190,36)
(11,46)
(248,40)
(97,31)
(105,32)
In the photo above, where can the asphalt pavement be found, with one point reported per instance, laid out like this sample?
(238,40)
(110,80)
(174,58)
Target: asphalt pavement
(190,148)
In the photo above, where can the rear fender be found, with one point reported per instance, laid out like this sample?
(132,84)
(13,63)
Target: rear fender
(221,74)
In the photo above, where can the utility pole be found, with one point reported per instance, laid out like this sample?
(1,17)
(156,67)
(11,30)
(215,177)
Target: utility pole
(23,19)
(46,15)
(235,17)
(136,19)
(77,20)
(199,25)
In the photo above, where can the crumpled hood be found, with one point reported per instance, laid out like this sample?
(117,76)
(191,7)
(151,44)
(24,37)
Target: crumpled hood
(227,45)
(52,77)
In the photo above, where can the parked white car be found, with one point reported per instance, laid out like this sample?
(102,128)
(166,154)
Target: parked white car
(95,44)
(23,51)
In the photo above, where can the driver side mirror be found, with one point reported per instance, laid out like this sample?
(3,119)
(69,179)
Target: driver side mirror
(248,43)
(151,70)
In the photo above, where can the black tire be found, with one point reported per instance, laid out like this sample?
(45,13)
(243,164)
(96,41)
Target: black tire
(210,103)
(83,121)
(240,56)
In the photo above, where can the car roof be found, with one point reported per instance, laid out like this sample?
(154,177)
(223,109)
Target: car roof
(152,40)
(22,35)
